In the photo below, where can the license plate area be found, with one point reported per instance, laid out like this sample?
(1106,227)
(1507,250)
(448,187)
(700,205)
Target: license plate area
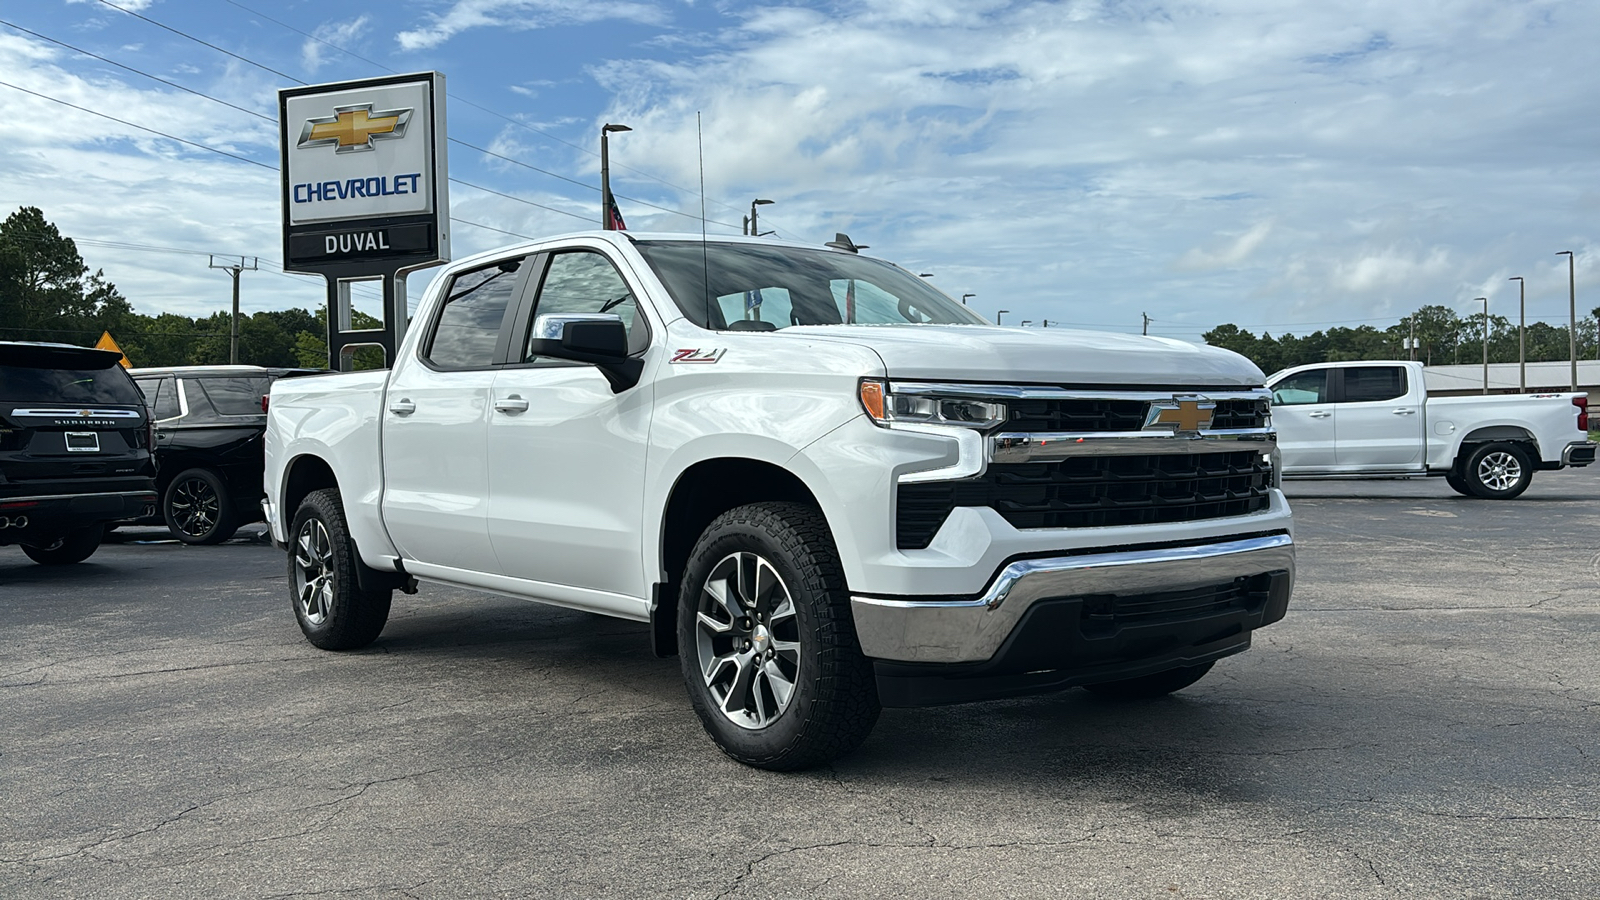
(83,442)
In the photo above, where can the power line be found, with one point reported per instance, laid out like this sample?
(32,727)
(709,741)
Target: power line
(199,41)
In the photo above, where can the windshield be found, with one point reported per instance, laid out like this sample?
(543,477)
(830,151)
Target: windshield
(760,287)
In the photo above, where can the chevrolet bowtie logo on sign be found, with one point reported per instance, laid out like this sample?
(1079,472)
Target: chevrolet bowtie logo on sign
(352,129)
(1190,412)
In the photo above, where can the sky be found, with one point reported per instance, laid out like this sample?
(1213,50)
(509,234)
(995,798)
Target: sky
(1284,165)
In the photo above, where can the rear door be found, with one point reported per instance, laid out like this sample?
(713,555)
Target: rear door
(1380,422)
(71,422)
(1304,415)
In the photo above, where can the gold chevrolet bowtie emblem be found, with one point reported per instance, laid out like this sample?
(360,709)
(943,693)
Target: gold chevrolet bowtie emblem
(353,128)
(1190,413)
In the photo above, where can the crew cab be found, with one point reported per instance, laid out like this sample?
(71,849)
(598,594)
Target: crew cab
(827,486)
(74,449)
(1376,419)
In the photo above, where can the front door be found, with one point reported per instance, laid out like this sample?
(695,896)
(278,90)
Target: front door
(566,455)
(1305,418)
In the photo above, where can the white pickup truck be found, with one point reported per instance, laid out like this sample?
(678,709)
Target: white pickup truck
(827,486)
(1376,419)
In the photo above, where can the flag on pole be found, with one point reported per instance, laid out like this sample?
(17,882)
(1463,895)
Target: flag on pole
(613,215)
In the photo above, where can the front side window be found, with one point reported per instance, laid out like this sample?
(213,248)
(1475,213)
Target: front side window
(582,281)
(236,396)
(1371,384)
(761,287)
(473,312)
(1302,388)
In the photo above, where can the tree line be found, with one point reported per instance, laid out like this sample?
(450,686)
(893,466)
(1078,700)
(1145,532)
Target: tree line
(47,293)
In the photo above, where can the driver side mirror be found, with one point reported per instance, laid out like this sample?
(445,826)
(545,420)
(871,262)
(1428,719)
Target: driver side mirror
(600,339)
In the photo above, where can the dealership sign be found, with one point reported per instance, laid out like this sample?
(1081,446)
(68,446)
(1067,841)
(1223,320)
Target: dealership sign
(364,175)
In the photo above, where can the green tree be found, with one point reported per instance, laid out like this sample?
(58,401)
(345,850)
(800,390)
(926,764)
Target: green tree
(41,279)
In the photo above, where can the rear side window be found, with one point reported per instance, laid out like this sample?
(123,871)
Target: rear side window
(1302,388)
(236,396)
(1370,384)
(474,310)
(74,386)
(161,395)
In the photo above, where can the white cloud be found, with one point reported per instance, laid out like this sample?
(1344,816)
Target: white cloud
(520,15)
(1236,251)
(339,34)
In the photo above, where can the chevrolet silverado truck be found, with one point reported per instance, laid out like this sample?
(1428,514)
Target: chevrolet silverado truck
(825,485)
(1375,419)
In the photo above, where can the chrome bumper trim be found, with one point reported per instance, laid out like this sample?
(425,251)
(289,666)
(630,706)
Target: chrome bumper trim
(1583,448)
(1023,447)
(956,631)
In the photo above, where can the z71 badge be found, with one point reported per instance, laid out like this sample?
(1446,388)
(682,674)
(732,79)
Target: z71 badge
(697,356)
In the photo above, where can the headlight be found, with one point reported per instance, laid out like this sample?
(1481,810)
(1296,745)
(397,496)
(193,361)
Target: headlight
(885,407)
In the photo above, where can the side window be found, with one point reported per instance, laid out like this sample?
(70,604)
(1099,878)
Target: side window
(236,396)
(198,407)
(582,281)
(474,309)
(1302,388)
(1370,384)
(164,397)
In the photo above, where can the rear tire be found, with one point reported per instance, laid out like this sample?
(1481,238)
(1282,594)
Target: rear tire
(1147,687)
(1458,484)
(767,640)
(1498,471)
(76,547)
(333,611)
(198,508)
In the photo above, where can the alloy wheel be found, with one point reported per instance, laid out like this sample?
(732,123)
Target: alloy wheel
(1499,471)
(314,572)
(195,507)
(748,640)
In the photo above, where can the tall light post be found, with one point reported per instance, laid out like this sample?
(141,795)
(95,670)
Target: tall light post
(1572,328)
(1026,322)
(1522,332)
(964,298)
(998,313)
(1485,343)
(755,230)
(606,202)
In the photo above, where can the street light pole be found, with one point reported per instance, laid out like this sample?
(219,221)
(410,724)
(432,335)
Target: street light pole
(755,230)
(998,313)
(1522,332)
(605,173)
(964,298)
(1485,343)
(1572,300)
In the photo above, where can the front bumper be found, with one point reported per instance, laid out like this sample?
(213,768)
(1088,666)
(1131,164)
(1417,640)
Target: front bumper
(1578,453)
(1054,622)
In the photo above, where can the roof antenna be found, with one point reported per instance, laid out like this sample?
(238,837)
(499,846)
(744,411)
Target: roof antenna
(705,262)
(841,241)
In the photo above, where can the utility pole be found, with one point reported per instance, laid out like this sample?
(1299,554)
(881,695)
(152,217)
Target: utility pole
(1522,333)
(755,230)
(1572,299)
(1413,342)
(234,269)
(1147,321)
(1485,344)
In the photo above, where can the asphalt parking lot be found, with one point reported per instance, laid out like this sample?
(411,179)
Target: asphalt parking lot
(1423,724)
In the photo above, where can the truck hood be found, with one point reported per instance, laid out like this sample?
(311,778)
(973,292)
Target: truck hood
(990,353)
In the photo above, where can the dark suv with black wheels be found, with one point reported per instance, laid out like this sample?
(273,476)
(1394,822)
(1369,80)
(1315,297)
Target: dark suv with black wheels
(209,425)
(74,449)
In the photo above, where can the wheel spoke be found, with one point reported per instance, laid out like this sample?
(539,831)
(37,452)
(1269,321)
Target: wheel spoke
(782,687)
(737,700)
(711,624)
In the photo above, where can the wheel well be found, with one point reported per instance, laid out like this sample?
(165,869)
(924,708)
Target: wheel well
(1509,433)
(704,491)
(306,474)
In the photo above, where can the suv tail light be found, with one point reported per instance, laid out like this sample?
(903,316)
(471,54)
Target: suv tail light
(264,399)
(1582,403)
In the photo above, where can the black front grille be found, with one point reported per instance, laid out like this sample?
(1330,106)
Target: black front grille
(1104,613)
(1094,491)
(1118,415)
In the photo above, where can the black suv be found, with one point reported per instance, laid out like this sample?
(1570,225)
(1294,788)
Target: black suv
(209,426)
(75,443)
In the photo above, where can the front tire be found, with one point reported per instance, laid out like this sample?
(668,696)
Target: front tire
(333,611)
(1498,471)
(767,641)
(198,508)
(75,547)
(1148,687)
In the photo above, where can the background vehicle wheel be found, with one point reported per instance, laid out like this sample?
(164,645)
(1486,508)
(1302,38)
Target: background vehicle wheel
(333,612)
(767,641)
(1498,471)
(1147,687)
(1457,483)
(198,509)
(76,547)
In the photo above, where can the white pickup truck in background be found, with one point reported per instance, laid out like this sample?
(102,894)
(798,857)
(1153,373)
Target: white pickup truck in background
(827,486)
(1376,419)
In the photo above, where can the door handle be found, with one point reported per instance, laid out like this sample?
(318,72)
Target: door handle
(1405,412)
(1319,414)
(402,407)
(511,404)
